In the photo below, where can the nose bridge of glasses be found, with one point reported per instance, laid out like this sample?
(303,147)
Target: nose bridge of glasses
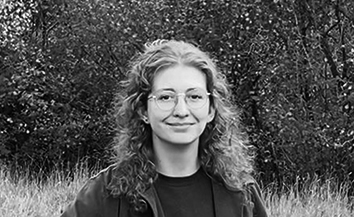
(178,96)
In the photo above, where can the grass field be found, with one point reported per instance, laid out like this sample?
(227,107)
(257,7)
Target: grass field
(38,199)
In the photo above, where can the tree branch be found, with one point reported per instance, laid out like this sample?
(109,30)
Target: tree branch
(341,30)
(327,52)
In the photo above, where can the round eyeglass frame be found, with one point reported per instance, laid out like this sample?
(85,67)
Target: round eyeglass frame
(176,100)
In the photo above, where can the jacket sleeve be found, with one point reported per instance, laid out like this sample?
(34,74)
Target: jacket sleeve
(259,209)
(88,201)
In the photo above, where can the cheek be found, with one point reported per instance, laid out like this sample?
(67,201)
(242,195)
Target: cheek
(202,116)
(155,114)
(205,113)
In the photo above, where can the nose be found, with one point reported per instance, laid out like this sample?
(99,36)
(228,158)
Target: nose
(181,108)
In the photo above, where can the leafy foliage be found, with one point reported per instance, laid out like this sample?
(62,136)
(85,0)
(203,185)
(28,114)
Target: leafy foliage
(290,63)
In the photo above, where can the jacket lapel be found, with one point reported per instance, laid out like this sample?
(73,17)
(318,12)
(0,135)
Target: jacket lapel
(227,203)
(152,198)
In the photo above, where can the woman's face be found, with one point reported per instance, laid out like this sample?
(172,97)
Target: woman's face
(180,125)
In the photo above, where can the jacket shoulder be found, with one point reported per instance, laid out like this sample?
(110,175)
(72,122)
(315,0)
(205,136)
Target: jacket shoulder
(93,198)
(254,199)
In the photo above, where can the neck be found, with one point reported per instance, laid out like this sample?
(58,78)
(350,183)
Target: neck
(176,160)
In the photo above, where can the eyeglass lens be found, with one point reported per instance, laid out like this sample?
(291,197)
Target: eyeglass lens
(167,100)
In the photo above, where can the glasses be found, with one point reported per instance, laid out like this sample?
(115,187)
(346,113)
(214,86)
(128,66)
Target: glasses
(167,99)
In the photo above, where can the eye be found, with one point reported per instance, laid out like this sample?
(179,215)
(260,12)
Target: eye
(195,96)
(165,97)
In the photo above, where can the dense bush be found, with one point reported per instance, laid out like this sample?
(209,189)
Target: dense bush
(290,63)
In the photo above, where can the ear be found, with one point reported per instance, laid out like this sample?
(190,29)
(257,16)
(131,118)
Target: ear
(145,119)
(143,115)
(211,114)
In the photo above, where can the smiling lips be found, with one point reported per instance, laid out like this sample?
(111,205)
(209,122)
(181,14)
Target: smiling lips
(180,124)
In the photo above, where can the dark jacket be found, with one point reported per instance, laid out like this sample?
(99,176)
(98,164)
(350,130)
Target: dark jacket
(94,200)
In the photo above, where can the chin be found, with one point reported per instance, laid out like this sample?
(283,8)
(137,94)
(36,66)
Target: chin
(182,140)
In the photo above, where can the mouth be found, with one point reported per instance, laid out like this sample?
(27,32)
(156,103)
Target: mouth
(180,124)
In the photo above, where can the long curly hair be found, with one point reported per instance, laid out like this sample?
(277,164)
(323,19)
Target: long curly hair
(223,150)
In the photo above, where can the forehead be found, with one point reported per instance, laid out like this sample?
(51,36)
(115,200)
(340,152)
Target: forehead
(179,78)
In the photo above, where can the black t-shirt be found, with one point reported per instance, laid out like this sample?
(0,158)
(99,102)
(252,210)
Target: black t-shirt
(189,196)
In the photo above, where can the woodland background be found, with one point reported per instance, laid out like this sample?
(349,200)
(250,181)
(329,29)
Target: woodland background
(290,63)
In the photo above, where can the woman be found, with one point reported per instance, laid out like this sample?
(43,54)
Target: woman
(180,151)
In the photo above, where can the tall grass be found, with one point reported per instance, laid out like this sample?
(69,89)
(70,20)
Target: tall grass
(21,195)
(315,199)
(24,196)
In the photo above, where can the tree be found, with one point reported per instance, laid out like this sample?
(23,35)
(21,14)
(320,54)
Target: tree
(289,63)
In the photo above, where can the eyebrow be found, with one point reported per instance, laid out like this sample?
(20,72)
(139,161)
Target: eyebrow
(166,89)
(173,90)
